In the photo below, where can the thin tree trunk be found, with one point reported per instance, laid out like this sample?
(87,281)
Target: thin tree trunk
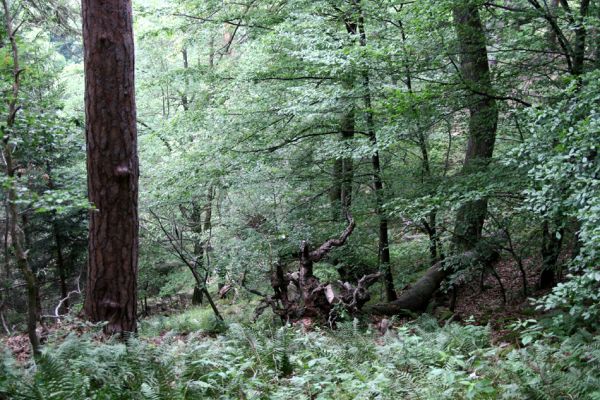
(519,260)
(60,266)
(552,36)
(6,249)
(213,305)
(580,37)
(198,262)
(112,164)
(384,243)
(335,193)
(551,246)
(60,261)
(430,224)
(16,232)
(343,168)
(184,95)
(347,163)
(201,245)
(499,280)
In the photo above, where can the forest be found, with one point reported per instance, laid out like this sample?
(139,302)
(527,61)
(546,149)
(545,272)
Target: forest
(295,199)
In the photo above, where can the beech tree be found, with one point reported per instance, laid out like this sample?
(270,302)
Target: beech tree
(483,116)
(112,164)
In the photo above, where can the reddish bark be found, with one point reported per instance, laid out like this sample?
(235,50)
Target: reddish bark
(112,164)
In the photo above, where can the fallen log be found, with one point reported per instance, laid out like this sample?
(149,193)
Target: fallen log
(417,297)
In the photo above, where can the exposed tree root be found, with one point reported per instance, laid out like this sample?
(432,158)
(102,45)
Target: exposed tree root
(300,294)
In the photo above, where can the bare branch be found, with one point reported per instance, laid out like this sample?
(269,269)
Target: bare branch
(325,248)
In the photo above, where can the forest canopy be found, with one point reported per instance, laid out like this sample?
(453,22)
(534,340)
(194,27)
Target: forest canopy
(313,199)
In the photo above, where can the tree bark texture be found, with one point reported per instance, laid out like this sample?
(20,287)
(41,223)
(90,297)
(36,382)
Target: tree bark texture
(580,37)
(112,164)
(483,116)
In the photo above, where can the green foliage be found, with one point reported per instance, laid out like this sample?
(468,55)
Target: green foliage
(416,361)
(253,115)
(193,320)
(561,159)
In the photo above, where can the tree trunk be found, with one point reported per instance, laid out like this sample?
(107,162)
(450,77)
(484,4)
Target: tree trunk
(5,241)
(335,193)
(552,37)
(343,168)
(198,295)
(184,96)
(201,245)
(580,36)
(112,164)
(16,232)
(384,242)
(343,173)
(61,268)
(483,117)
(60,260)
(198,262)
(551,245)
(418,296)
(347,163)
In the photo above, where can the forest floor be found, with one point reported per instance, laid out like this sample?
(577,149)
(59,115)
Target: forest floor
(474,305)
(487,306)
(188,354)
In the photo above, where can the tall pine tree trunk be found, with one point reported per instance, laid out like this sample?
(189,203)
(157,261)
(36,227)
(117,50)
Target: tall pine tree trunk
(112,164)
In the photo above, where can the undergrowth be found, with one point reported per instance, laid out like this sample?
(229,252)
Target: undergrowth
(196,359)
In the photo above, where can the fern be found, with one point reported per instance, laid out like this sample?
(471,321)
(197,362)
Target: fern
(417,361)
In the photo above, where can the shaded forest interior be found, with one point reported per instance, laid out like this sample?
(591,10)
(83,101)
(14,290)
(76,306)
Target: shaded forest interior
(300,199)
